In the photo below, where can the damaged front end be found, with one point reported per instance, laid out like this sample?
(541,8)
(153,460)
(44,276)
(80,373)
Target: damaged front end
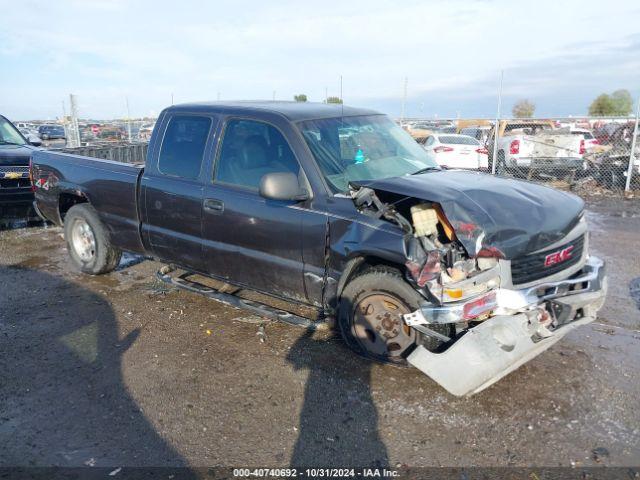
(504,308)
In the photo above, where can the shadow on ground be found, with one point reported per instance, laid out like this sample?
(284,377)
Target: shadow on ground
(63,401)
(338,420)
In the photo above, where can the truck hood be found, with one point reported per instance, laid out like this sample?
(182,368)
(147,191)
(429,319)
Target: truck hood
(487,212)
(12,155)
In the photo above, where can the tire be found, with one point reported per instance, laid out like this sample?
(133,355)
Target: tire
(363,322)
(88,241)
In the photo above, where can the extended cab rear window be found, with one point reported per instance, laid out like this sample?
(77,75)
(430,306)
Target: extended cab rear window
(183,146)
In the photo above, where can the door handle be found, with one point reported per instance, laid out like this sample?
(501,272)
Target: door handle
(213,205)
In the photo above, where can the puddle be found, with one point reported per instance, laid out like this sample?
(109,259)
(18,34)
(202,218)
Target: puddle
(20,223)
(129,259)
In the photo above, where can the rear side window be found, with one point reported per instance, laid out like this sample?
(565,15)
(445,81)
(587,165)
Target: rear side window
(458,140)
(183,146)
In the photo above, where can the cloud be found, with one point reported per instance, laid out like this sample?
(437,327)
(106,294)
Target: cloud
(147,50)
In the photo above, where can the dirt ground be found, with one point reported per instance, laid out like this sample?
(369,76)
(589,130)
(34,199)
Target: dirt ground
(118,371)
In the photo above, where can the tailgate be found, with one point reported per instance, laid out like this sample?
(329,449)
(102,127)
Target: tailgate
(549,145)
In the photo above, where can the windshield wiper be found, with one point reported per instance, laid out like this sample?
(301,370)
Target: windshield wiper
(425,169)
(3,142)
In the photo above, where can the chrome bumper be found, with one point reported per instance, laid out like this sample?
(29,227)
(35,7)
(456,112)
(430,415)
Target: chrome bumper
(515,335)
(504,301)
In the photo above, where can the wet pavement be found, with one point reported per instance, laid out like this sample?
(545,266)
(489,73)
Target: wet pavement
(118,370)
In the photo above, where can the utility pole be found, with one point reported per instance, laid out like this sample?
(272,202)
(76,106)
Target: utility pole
(326,94)
(73,135)
(496,128)
(404,99)
(128,119)
(632,155)
(171,98)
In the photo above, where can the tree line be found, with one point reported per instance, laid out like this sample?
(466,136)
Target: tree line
(618,103)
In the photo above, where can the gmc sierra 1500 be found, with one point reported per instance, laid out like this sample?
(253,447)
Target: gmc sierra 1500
(463,275)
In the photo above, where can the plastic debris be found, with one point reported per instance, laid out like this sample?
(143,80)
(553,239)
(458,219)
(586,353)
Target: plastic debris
(262,335)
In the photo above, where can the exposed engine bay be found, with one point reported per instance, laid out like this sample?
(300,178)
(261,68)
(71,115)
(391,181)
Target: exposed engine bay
(437,263)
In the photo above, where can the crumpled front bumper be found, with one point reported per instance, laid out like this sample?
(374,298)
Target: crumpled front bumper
(504,342)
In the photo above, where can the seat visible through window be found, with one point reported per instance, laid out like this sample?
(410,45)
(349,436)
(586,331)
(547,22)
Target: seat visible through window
(250,150)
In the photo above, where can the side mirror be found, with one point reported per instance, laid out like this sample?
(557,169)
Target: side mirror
(282,186)
(35,143)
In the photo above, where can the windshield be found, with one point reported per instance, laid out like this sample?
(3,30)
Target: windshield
(362,148)
(8,134)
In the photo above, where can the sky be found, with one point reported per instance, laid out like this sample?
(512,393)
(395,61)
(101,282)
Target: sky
(557,54)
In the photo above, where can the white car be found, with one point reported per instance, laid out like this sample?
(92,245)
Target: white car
(457,151)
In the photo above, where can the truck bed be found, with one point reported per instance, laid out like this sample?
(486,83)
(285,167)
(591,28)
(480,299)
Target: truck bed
(111,187)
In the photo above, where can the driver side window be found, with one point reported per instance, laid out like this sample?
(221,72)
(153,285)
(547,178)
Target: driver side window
(250,150)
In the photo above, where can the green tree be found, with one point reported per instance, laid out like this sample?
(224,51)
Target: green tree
(602,106)
(523,109)
(334,100)
(618,103)
(622,102)
(301,97)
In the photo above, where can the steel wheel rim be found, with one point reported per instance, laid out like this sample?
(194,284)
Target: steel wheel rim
(379,328)
(83,240)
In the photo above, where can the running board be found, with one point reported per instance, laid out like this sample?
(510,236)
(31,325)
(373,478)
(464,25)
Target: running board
(267,311)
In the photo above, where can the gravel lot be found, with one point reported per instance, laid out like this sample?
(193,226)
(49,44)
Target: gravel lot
(118,371)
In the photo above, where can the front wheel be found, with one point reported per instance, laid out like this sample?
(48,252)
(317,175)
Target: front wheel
(88,241)
(370,317)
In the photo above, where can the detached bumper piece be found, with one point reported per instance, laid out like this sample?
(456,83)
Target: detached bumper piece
(525,324)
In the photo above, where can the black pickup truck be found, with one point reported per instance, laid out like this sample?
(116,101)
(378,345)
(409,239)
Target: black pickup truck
(461,274)
(16,197)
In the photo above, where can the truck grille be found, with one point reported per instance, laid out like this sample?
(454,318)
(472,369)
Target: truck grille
(534,266)
(14,177)
(9,171)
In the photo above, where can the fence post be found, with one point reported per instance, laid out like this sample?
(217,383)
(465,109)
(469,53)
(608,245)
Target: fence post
(632,154)
(496,128)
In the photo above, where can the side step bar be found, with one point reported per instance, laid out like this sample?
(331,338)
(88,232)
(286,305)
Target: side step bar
(267,311)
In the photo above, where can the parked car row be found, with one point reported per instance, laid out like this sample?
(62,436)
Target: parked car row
(532,148)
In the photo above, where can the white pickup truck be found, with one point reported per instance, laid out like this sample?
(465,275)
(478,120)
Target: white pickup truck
(528,147)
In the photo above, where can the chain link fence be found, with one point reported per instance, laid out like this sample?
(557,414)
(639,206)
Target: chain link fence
(590,155)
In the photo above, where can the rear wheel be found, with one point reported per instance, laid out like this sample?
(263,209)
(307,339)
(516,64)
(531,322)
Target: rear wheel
(370,317)
(88,241)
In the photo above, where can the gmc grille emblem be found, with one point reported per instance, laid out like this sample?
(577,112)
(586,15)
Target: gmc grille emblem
(558,257)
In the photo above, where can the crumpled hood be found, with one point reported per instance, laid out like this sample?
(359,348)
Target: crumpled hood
(11,155)
(513,216)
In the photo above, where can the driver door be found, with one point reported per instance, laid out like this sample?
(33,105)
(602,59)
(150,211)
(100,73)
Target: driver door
(248,239)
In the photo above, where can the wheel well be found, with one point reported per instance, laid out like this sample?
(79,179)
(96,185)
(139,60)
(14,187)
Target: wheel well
(68,200)
(359,265)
